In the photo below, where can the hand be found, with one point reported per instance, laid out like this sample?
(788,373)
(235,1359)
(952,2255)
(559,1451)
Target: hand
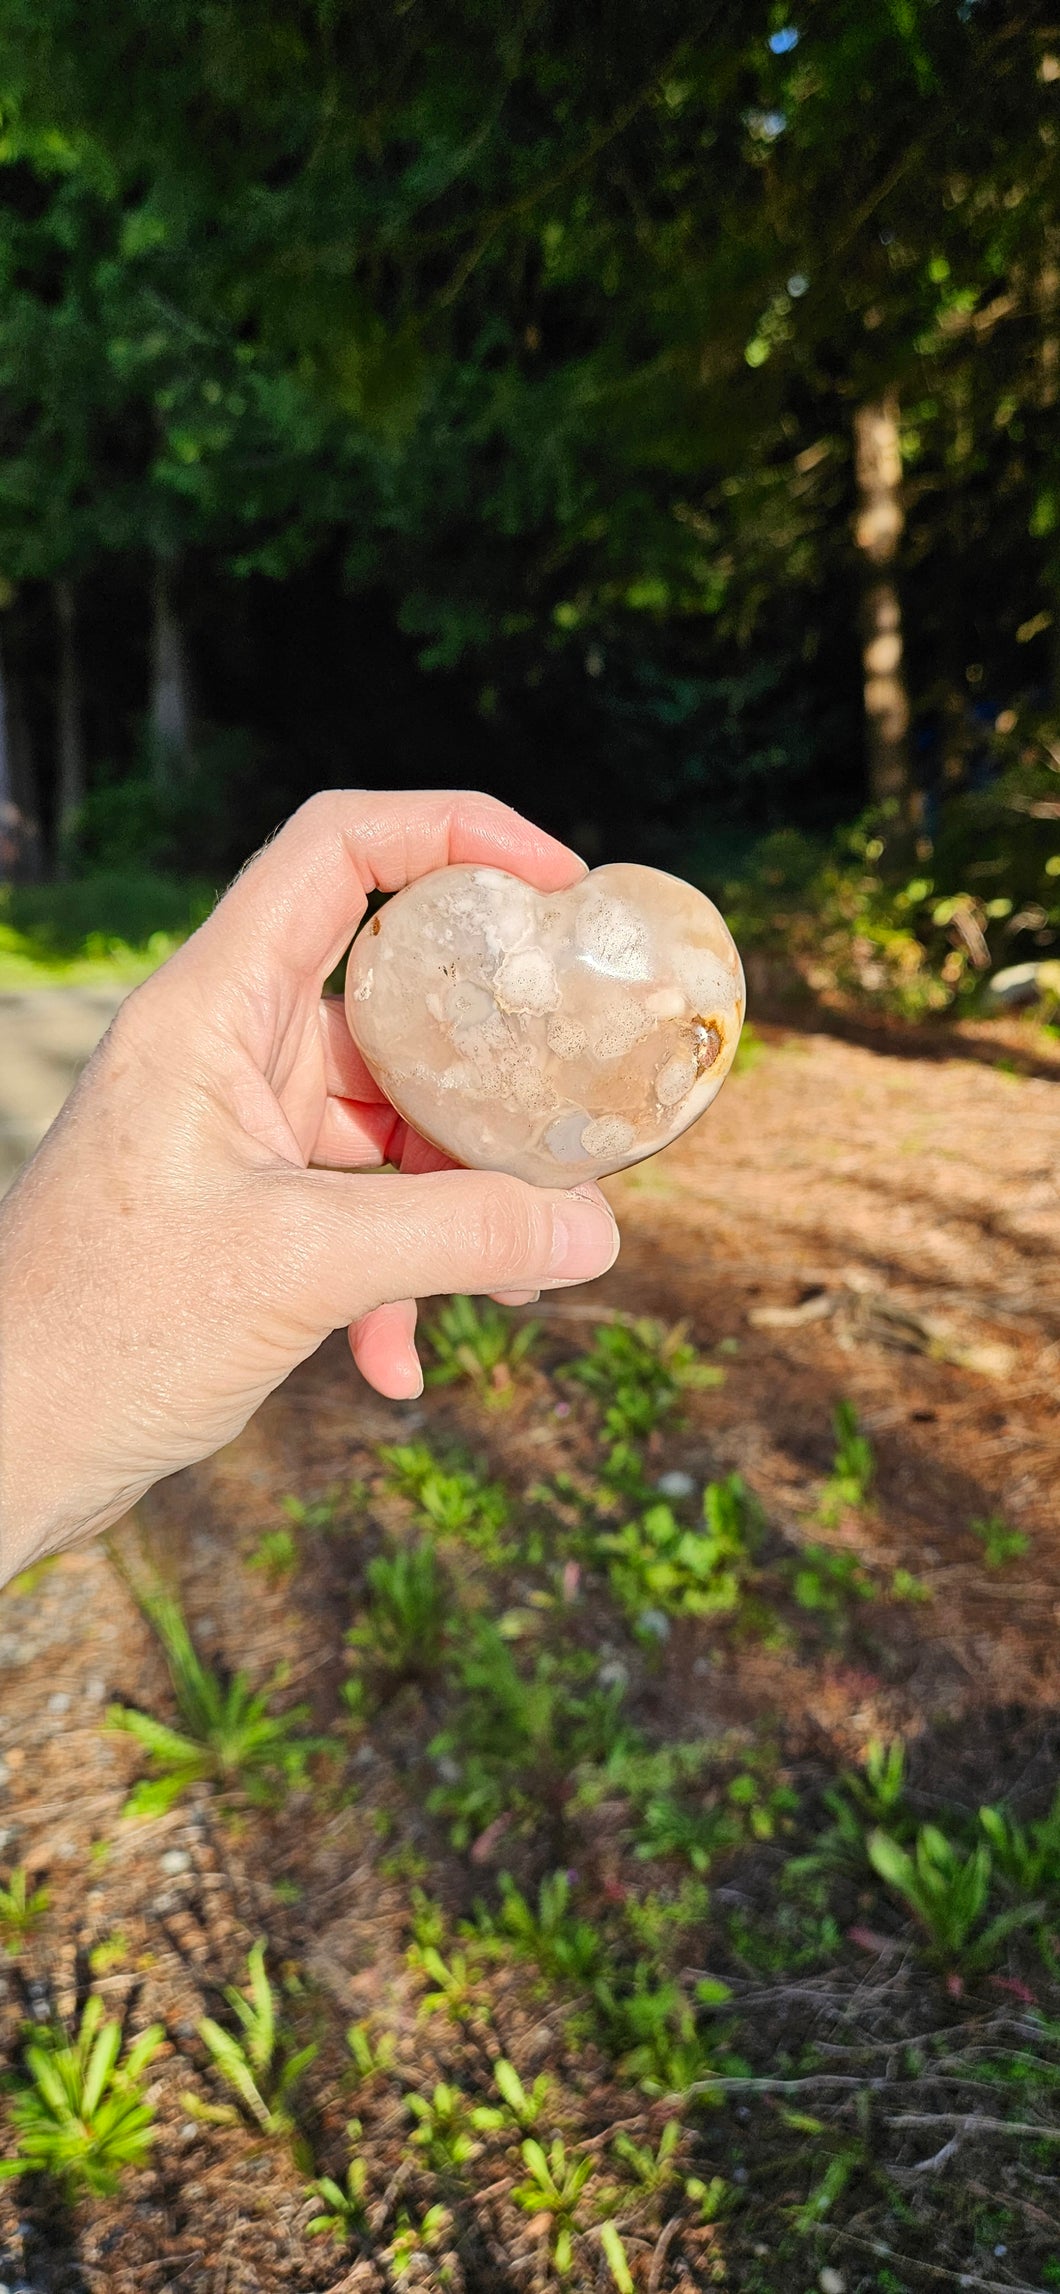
(169,1254)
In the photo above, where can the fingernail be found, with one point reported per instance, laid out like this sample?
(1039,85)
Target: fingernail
(585,1238)
(516,1297)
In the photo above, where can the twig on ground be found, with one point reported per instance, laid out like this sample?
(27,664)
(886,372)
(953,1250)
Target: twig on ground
(662,2247)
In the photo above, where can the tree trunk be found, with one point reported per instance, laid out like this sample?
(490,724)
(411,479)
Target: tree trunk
(1048,300)
(19,829)
(878,468)
(170,710)
(70,728)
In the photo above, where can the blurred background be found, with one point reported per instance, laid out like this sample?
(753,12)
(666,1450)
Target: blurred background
(647,414)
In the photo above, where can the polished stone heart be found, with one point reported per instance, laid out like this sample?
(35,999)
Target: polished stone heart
(555,1035)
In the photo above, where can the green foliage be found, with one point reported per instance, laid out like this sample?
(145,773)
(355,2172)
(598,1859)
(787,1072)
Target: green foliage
(275,1555)
(651,2028)
(450,1499)
(477,1340)
(829,1581)
(1026,1856)
(1000,1543)
(256,2061)
(444,2130)
(96,928)
(554,2187)
(853,1467)
(79,2109)
(948,1891)
(373,2058)
(659,1563)
(653,2168)
(230,1737)
(563,1944)
(454,1983)
(514,1736)
(857,1803)
(637,1372)
(408,1620)
(344,2205)
(521,2105)
(21,1909)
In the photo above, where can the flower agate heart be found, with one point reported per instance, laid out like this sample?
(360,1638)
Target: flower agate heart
(555,1035)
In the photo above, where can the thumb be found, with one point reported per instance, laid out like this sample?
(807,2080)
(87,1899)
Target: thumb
(361,1243)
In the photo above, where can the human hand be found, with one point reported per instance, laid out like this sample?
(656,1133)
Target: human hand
(174,1248)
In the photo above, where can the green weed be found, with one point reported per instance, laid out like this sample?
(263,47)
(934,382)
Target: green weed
(948,1892)
(21,1909)
(455,1990)
(477,1340)
(345,2203)
(257,2061)
(450,1499)
(659,1563)
(230,1736)
(373,2058)
(853,1467)
(653,2169)
(522,2106)
(80,2112)
(275,1555)
(828,1581)
(444,2130)
(406,1626)
(514,1737)
(554,2186)
(1000,1543)
(1027,1856)
(562,1944)
(637,1372)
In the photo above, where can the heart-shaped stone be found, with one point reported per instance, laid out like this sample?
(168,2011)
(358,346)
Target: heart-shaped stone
(555,1035)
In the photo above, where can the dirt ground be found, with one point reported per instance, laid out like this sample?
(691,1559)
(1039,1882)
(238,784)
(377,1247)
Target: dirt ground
(877,1219)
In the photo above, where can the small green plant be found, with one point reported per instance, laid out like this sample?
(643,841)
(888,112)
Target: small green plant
(1027,1856)
(515,1736)
(829,1581)
(857,1801)
(554,2187)
(948,1892)
(275,1555)
(406,1626)
(230,1738)
(853,1467)
(413,2245)
(651,2028)
(450,1499)
(477,1340)
(444,2130)
(652,2168)
(616,2258)
(561,1943)
(454,1992)
(257,2062)
(21,1909)
(344,2204)
(1000,1543)
(659,1563)
(638,1371)
(523,2106)
(906,1587)
(80,2112)
(373,2058)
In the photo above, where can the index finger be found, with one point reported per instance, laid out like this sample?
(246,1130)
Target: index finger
(299,901)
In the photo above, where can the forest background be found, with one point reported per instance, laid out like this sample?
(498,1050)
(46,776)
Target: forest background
(649,414)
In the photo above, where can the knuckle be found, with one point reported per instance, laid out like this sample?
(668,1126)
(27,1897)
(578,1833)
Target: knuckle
(510,1226)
